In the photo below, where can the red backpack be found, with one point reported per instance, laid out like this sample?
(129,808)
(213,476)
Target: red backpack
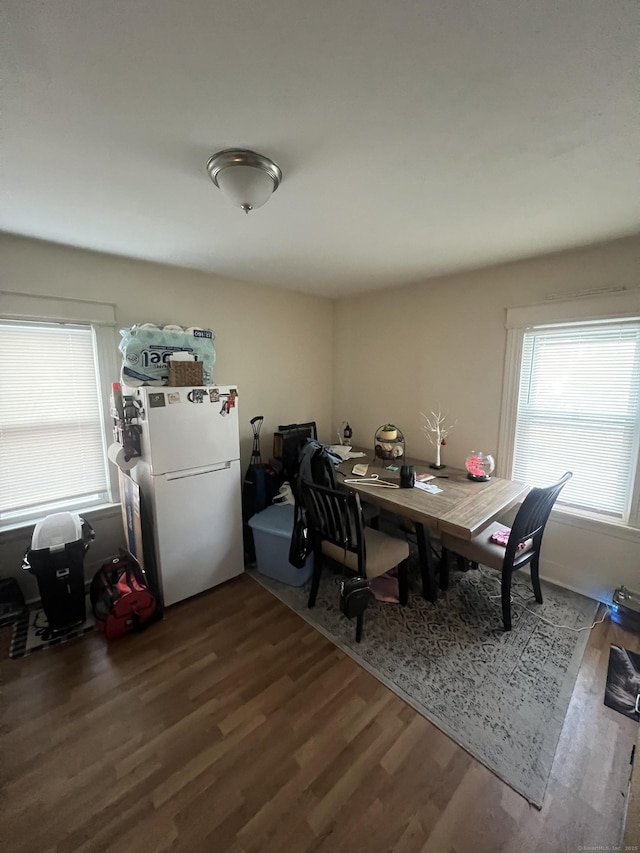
(121,598)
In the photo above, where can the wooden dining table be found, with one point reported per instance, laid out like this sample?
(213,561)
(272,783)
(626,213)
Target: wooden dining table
(463,507)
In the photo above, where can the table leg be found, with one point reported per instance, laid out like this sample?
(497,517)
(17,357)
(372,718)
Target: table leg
(427,569)
(443,569)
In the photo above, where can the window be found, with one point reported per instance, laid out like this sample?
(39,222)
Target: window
(574,397)
(53,418)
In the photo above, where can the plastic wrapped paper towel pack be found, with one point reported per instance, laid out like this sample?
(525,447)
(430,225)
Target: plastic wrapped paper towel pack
(147,348)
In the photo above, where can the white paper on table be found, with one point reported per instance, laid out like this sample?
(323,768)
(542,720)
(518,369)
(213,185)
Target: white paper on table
(428,487)
(341,450)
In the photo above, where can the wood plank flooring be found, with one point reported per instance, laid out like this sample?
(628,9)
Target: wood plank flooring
(235,727)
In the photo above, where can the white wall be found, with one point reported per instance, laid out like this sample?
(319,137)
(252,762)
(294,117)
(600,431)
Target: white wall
(277,346)
(370,359)
(441,345)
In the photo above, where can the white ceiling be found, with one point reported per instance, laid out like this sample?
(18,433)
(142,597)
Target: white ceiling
(416,137)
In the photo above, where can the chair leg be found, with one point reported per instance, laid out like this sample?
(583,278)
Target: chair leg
(506,600)
(535,578)
(403,582)
(359,624)
(315,580)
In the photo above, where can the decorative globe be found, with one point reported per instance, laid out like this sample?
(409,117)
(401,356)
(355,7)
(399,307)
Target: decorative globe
(479,465)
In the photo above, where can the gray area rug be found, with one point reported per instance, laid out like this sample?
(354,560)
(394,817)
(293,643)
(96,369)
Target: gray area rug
(501,696)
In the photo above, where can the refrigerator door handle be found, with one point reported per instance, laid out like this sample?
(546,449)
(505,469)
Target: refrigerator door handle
(195,472)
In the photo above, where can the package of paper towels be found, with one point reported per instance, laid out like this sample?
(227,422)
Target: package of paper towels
(146,350)
(116,455)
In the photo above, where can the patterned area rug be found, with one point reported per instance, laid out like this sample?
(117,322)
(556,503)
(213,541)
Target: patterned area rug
(501,696)
(31,632)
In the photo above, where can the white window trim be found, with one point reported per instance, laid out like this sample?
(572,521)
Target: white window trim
(612,306)
(102,317)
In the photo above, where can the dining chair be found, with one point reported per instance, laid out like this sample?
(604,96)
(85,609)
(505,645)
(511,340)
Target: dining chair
(338,532)
(522,547)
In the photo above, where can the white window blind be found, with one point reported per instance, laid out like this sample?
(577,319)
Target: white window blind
(52,448)
(579,410)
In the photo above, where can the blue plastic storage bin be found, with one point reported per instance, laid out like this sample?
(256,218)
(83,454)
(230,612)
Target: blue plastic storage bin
(272,530)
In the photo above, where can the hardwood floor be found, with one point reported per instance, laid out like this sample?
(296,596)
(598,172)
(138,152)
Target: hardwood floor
(234,727)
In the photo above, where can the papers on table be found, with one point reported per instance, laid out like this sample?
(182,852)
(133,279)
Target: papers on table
(344,451)
(341,450)
(428,487)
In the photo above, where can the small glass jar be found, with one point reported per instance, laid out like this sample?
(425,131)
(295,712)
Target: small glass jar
(479,465)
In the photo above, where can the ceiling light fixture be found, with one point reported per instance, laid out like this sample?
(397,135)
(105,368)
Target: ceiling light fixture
(246,178)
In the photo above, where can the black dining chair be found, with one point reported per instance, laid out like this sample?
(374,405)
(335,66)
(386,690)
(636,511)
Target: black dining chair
(522,548)
(338,532)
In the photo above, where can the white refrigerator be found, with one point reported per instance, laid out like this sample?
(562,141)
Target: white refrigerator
(189,476)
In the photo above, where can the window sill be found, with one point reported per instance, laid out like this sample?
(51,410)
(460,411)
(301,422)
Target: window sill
(596,525)
(17,529)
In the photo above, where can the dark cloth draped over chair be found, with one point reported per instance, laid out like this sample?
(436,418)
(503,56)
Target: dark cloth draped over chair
(288,447)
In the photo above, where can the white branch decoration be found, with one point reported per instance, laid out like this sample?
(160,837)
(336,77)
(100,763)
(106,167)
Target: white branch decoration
(436,431)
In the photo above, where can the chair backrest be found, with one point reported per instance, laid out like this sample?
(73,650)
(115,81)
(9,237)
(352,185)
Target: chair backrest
(531,519)
(335,516)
